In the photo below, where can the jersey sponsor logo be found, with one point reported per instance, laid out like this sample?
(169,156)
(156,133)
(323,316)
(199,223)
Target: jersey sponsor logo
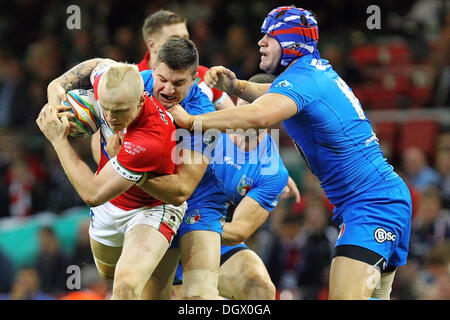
(228,160)
(244,186)
(192,217)
(381,235)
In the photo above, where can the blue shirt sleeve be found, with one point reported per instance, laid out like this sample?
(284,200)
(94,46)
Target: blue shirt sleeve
(197,102)
(299,87)
(268,188)
(147,76)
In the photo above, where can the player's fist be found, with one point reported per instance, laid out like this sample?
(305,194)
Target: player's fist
(222,79)
(52,127)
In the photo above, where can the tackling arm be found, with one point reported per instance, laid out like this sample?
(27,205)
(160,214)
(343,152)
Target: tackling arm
(264,112)
(225,80)
(248,216)
(172,188)
(178,187)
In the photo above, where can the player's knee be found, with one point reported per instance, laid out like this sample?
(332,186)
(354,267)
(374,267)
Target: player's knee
(259,287)
(125,288)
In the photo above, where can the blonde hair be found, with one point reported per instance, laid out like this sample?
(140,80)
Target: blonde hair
(124,78)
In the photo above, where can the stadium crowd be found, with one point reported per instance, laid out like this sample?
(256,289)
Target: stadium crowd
(402,66)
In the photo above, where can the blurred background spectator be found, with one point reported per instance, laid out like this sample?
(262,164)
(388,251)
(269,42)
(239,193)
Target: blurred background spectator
(51,263)
(400,74)
(27,286)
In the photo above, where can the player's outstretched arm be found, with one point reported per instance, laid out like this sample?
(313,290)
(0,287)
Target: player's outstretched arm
(178,187)
(264,112)
(248,216)
(225,80)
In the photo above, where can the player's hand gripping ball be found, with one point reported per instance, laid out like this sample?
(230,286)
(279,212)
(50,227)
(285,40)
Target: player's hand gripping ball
(84,106)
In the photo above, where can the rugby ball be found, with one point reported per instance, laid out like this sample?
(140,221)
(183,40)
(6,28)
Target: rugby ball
(84,106)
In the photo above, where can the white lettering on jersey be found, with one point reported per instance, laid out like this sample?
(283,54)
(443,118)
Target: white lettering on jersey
(353,100)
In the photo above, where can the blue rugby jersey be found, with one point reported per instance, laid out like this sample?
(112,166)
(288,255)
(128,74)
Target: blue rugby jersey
(258,173)
(331,130)
(209,192)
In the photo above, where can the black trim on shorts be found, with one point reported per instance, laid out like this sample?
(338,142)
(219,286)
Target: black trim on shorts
(229,254)
(364,255)
(223,259)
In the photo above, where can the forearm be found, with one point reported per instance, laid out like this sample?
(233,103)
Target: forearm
(167,188)
(178,187)
(250,91)
(266,111)
(78,172)
(233,234)
(242,117)
(78,76)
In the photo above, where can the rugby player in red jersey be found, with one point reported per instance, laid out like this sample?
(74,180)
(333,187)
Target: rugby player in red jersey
(130,231)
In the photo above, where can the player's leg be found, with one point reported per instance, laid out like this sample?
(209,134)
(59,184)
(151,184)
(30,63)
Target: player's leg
(147,237)
(105,239)
(374,236)
(200,254)
(105,258)
(243,276)
(159,286)
(143,248)
(351,279)
(383,290)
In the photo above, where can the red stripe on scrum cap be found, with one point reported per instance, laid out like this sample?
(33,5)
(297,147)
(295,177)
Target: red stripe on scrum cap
(307,32)
(292,51)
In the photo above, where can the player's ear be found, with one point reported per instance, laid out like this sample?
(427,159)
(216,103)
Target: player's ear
(142,100)
(151,45)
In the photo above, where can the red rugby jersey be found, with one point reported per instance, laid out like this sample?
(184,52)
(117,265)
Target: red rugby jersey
(147,146)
